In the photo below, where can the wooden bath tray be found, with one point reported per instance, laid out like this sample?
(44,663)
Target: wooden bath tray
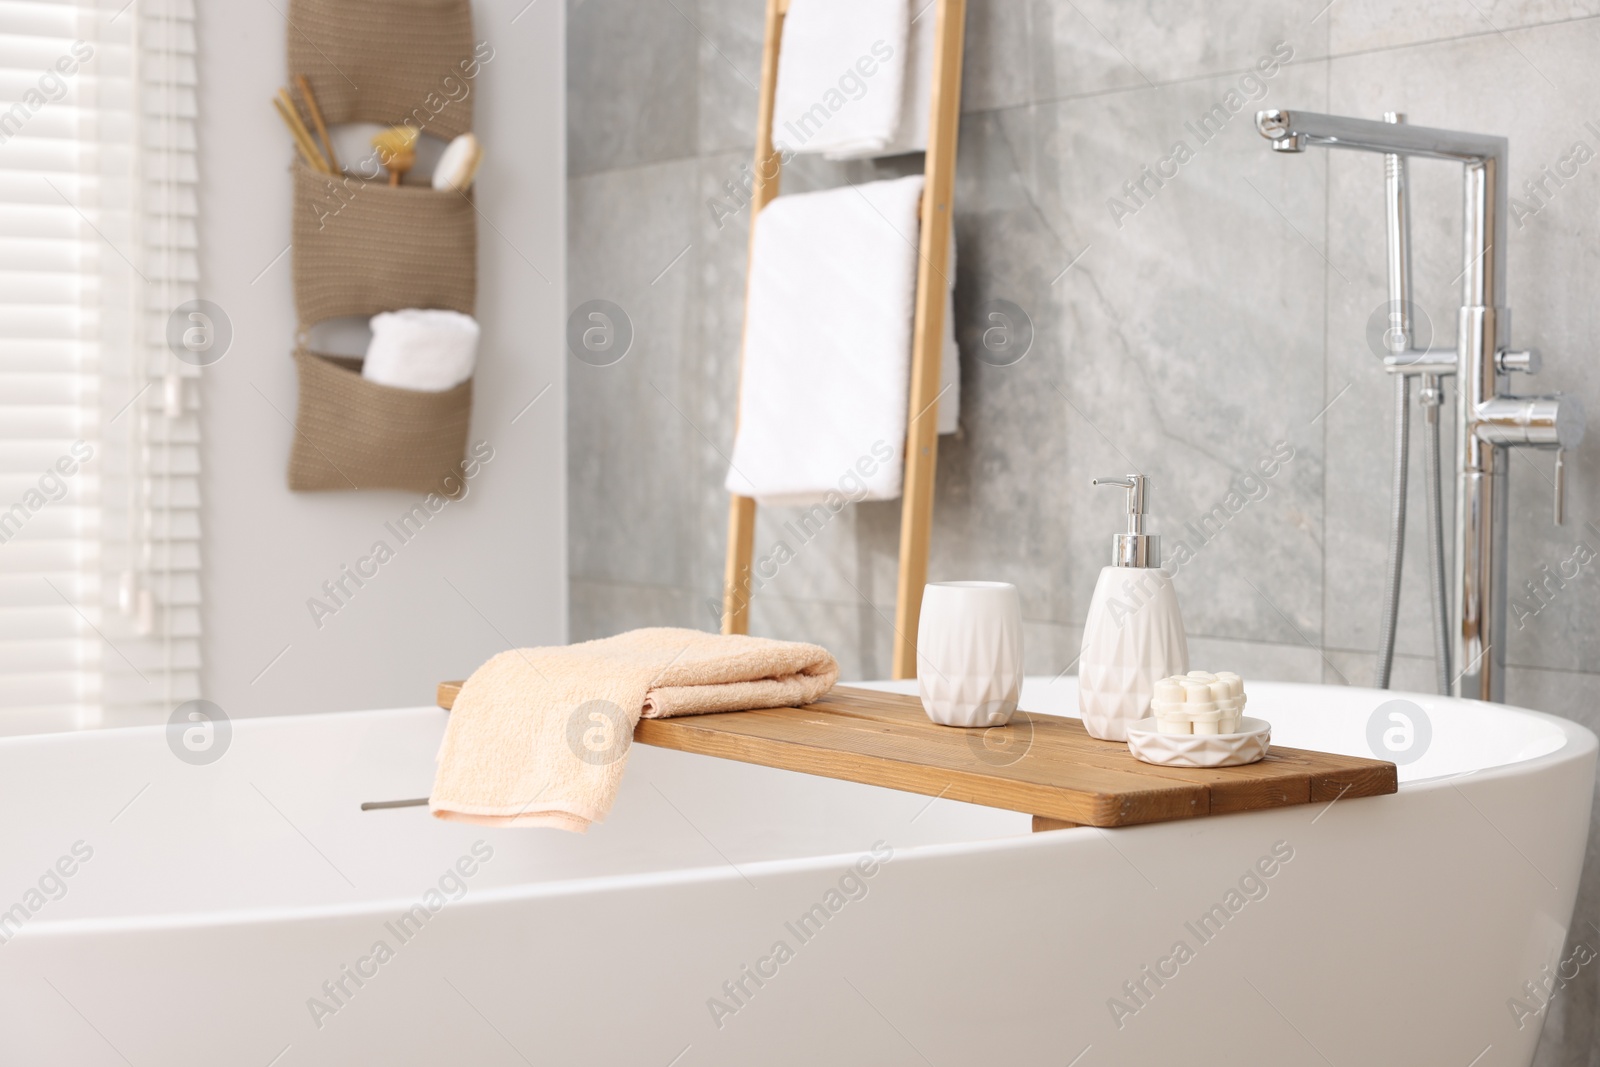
(1044,765)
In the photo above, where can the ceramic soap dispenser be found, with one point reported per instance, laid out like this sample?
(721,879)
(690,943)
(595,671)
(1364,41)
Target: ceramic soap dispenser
(1134,634)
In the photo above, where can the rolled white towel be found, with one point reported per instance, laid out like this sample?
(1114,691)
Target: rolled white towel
(426,349)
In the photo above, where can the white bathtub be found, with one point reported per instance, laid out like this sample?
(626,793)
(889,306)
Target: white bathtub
(215,902)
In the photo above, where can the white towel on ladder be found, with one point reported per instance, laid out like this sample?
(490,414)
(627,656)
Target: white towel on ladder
(827,351)
(842,77)
(916,99)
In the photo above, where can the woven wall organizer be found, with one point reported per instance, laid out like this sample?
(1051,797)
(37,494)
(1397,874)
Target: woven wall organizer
(362,246)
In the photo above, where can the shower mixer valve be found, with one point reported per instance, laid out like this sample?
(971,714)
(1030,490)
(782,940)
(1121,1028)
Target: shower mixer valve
(1547,422)
(1490,420)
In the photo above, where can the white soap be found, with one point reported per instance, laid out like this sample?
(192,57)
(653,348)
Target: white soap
(1212,703)
(1168,691)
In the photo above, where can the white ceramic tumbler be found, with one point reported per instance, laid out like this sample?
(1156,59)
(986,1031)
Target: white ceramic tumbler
(969,652)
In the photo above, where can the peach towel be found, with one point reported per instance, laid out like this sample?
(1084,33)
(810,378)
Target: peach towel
(539,736)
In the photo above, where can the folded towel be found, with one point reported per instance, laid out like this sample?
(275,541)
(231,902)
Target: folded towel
(428,350)
(827,361)
(855,80)
(841,76)
(916,98)
(539,736)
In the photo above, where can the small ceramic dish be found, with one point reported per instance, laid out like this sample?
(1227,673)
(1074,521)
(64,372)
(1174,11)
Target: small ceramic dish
(1250,744)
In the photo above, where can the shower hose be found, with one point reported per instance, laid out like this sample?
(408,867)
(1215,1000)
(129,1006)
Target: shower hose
(1431,399)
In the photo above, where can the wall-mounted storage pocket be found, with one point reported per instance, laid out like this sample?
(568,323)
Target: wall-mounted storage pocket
(389,61)
(361,247)
(354,434)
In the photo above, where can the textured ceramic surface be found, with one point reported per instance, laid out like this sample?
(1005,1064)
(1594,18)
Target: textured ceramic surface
(969,653)
(1133,637)
(1250,744)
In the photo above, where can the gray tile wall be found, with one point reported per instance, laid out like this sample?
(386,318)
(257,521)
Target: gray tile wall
(1224,315)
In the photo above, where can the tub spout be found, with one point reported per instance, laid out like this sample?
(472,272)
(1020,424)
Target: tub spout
(1274,125)
(1305,129)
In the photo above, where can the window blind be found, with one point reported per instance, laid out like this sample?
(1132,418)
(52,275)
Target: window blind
(99,432)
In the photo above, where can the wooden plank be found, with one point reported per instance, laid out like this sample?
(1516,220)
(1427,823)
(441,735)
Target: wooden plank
(1042,824)
(922,430)
(1102,799)
(1282,778)
(941,748)
(736,589)
(1047,766)
(1336,777)
(1062,744)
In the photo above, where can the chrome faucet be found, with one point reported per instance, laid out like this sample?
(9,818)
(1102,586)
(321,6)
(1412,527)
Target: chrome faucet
(1489,420)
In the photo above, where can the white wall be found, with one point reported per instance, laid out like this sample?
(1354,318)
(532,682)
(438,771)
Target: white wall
(267,550)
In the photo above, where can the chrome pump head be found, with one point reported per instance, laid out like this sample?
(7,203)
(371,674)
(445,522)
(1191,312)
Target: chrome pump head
(1134,548)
